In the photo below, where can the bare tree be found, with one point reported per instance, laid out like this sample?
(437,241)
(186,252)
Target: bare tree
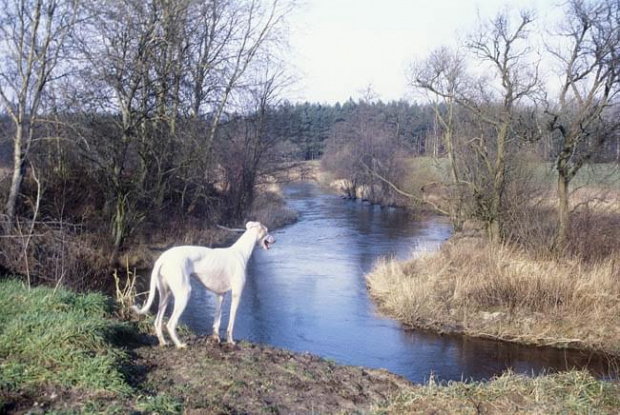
(509,78)
(166,63)
(33,34)
(253,26)
(583,116)
(123,34)
(224,39)
(365,150)
(247,146)
(441,75)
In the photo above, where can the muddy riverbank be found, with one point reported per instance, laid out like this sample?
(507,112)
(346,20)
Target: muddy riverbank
(64,352)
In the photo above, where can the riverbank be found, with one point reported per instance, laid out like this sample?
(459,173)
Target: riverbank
(79,255)
(67,352)
(269,208)
(502,292)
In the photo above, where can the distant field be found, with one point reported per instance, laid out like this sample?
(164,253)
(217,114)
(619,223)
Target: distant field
(606,175)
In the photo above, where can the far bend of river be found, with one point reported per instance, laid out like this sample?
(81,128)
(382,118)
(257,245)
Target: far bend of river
(308,294)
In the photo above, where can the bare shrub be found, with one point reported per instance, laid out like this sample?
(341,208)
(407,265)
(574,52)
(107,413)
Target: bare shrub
(57,256)
(592,233)
(270,209)
(593,236)
(528,219)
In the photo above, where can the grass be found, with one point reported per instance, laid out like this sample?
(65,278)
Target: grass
(57,337)
(605,175)
(570,392)
(503,292)
(161,404)
(428,169)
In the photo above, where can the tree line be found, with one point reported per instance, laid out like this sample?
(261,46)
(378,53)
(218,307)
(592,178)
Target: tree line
(118,115)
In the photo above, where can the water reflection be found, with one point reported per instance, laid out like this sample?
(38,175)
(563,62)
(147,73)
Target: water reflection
(308,294)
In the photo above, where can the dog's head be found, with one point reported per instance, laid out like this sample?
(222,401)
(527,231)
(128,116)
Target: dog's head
(263,238)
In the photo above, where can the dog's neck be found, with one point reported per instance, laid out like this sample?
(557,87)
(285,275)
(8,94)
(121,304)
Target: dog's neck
(245,244)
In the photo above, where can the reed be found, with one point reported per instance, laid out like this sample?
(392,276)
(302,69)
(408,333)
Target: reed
(475,288)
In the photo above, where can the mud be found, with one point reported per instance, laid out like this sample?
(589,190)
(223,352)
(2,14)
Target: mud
(250,378)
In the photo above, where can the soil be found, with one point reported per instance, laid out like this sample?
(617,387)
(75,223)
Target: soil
(208,377)
(255,378)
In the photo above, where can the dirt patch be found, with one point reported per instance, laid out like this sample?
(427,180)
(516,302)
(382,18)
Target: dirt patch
(251,378)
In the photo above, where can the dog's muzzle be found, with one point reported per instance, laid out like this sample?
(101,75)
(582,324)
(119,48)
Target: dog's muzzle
(268,241)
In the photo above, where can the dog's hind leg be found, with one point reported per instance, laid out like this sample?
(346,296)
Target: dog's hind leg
(218,318)
(164,298)
(181,297)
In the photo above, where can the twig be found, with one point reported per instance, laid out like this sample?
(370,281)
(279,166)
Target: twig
(230,229)
(22,236)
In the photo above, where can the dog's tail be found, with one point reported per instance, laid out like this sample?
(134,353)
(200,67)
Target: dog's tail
(149,301)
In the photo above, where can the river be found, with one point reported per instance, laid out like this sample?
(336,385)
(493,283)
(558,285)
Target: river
(308,294)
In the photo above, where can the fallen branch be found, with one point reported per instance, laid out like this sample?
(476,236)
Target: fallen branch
(547,341)
(230,229)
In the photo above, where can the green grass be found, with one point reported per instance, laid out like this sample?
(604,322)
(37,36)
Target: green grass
(161,404)
(57,337)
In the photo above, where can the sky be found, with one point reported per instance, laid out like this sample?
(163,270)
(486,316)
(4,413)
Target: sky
(340,48)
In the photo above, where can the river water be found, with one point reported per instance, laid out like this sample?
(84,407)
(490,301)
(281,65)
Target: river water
(308,294)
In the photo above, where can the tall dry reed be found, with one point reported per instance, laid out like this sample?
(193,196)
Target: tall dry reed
(472,287)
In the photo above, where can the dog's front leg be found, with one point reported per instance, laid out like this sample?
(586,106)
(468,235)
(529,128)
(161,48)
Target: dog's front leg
(234,304)
(218,318)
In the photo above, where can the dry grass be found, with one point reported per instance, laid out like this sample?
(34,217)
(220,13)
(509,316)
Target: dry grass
(271,210)
(125,293)
(502,292)
(563,393)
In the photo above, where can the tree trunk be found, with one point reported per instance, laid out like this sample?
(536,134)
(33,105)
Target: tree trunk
(456,204)
(499,184)
(494,232)
(19,171)
(563,212)
(118,227)
(494,224)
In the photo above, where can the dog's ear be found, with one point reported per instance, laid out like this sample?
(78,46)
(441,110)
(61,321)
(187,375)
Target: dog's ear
(251,225)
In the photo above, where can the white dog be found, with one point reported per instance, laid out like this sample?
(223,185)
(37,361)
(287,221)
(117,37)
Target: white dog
(220,270)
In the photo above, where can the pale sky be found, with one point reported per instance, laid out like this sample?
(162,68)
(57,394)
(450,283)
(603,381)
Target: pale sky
(340,47)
